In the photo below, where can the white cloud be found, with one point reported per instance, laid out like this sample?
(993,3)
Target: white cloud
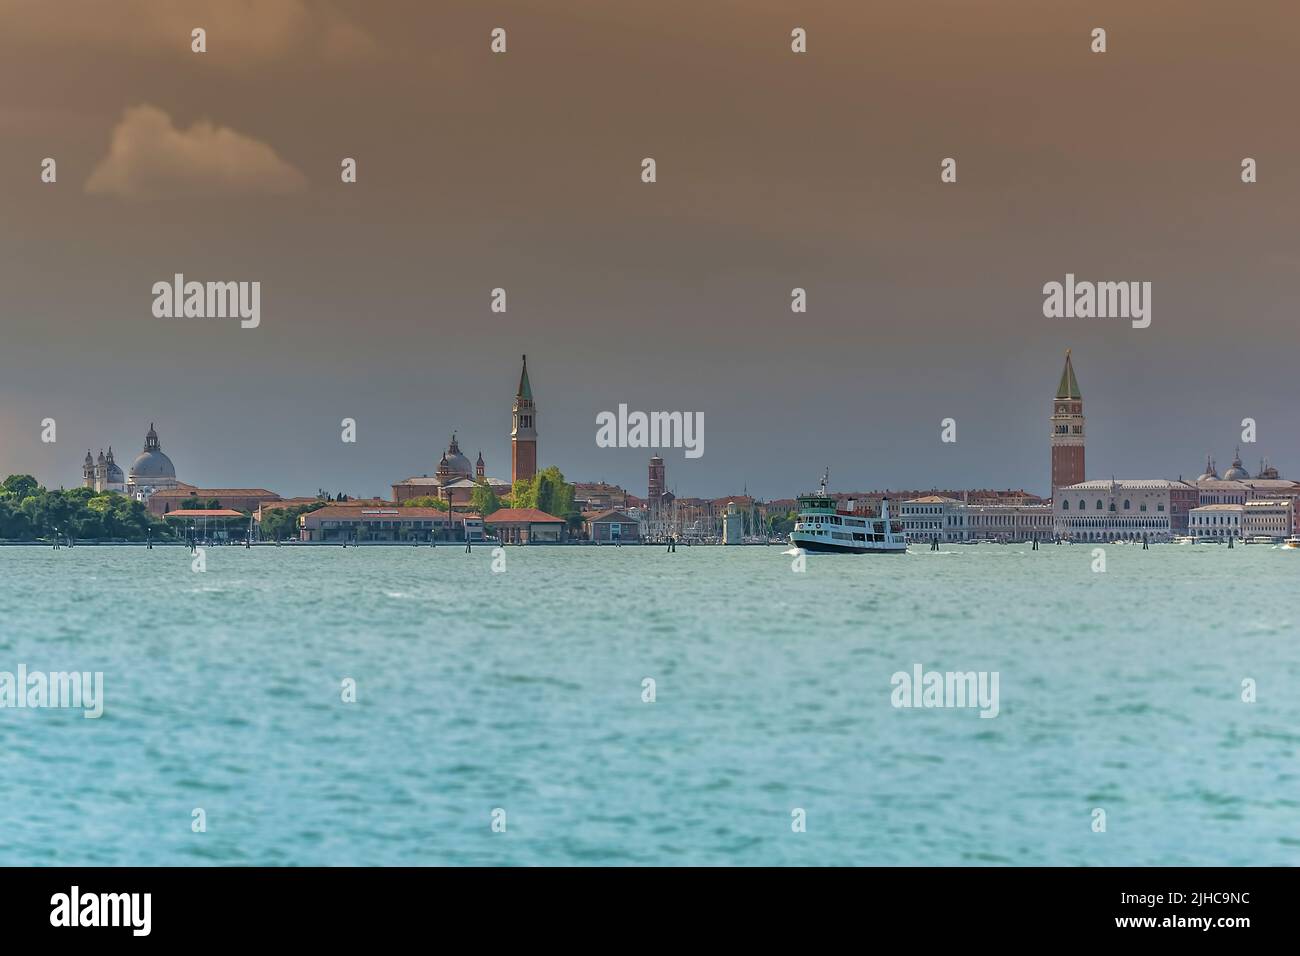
(150,158)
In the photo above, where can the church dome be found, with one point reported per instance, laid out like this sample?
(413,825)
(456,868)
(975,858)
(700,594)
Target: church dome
(1237,472)
(151,463)
(1210,473)
(455,462)
(113,472)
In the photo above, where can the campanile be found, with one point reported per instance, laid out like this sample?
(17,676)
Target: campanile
(1067,430)
(523,434)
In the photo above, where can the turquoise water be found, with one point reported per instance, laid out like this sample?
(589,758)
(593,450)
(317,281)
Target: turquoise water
(522,690)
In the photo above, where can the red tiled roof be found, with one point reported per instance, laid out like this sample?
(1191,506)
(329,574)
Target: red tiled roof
(385,513)
(215,493)
(608,513)
(205,513)
(521,515)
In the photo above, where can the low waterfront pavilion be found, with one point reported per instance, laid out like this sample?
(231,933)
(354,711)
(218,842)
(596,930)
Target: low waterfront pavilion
(344,523)
(612,525)
(524,526)
(207,523)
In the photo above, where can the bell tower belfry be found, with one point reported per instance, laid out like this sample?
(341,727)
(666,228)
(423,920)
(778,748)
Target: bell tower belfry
(1067,430)
(523,433)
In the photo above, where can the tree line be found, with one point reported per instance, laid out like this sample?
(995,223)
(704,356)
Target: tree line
(30,512)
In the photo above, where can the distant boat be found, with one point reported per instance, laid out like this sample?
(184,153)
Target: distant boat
(1292,542)
(824,528)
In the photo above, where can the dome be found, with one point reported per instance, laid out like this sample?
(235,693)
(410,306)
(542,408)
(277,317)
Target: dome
(455,462)
(1210,474)
(1237,472)
(151,463)
(460,465)
(113,472)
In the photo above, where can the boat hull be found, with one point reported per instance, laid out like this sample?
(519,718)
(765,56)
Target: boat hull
(828,547)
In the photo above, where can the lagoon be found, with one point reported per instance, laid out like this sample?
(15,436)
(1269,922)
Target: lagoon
(522,692)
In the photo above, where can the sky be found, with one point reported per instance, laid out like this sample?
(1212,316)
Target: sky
(522,170)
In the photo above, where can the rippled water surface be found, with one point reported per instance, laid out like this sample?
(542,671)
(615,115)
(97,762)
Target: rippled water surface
(522,690)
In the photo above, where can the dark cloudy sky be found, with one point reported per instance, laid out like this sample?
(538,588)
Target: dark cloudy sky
(522,171)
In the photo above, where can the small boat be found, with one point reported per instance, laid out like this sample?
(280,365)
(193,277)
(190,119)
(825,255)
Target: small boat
(1292,542)
(1185,539)
(822,527)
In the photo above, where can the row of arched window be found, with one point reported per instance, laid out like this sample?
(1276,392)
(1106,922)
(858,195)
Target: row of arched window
(1128,506)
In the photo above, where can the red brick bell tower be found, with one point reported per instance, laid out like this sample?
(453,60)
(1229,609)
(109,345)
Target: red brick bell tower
(1067,430)
(523,436)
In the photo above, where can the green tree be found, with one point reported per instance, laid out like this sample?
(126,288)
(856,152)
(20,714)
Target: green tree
(78,512)
(281,523)
(782,524)
(523,494)
(21,486)
(485,500)
(426,501)
(547,491)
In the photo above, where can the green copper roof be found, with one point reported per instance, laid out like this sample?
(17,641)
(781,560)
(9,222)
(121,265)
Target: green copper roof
(525,389)
(1069,387)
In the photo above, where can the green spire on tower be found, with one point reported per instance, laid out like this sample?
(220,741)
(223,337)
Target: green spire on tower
(1069,387)
(525,389)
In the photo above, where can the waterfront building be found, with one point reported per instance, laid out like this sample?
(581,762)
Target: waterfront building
(341,522)
(868,502)
(1009,516)
(523,433)
(1008,522)
(1237,487)
(208,524)
(1067,430)
(524,526)
(1111,510)
(598,496)
(454,480)
(933,518)
(610,526)
(1217,521)
(1278,489)
(1219,491)
(102,474)
(1271,519)
(246,500)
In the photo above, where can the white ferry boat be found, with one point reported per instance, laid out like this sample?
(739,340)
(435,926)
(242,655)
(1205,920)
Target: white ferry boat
(822,527)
